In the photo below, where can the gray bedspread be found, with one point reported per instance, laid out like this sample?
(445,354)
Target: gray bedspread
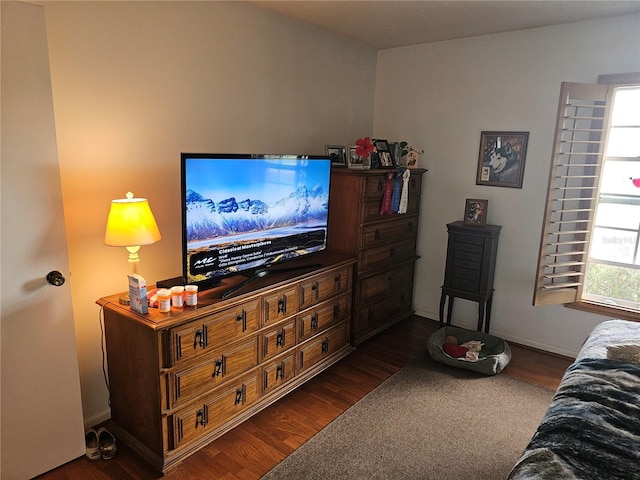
(592,427)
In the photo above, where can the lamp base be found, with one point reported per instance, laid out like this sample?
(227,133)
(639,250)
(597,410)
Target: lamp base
(124,299)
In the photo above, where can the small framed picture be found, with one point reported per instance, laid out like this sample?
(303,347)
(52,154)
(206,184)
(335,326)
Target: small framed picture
(354,161)
(385,158)
(475,212)
(501,159)
(338,154)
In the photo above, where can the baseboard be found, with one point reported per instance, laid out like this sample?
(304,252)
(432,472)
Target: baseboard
(97,419)
(525,342)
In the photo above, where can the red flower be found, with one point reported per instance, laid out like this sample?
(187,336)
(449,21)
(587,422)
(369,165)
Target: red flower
(636,181)
(364,147)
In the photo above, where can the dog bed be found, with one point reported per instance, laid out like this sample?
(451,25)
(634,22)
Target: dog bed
(496,352)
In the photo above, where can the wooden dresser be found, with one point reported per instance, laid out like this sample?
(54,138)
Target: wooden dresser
(385,246)
(181,379)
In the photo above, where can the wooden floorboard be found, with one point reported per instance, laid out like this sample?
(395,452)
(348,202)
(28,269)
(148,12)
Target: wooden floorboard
(253,448)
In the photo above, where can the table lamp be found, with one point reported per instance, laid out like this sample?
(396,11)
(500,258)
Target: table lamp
(131,224)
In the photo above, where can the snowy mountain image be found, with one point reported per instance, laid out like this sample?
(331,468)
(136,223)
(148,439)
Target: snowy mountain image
(208,219)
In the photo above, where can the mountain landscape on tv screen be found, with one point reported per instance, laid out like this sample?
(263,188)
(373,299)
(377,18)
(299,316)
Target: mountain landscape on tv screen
(208,219)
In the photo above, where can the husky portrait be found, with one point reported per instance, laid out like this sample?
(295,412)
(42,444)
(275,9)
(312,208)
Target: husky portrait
(501,163)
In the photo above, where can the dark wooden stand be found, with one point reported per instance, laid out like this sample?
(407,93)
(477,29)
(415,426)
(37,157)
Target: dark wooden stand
(469,273)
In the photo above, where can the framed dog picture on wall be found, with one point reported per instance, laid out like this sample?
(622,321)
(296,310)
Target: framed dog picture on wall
(501,159)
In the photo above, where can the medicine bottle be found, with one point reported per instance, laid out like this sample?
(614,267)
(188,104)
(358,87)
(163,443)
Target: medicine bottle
(176,296)
(164,300)
(191,295)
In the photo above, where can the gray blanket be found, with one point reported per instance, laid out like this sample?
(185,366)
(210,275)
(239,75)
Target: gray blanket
(592,427)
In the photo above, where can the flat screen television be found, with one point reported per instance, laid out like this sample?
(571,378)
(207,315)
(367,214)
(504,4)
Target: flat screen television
(242,214)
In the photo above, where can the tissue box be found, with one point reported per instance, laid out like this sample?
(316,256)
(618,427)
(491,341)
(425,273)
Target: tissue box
(138,293)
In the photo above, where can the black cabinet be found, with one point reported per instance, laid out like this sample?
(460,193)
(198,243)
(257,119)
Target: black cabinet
(471,262)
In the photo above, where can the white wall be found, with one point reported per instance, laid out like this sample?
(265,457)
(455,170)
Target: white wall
(136,83)
(439,97)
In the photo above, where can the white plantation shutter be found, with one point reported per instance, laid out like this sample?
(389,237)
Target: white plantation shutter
(580,138)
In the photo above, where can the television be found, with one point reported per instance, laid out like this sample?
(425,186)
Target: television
(243,214)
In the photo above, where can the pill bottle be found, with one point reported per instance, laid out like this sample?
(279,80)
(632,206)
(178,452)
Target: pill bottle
(164,300)
(191,295)
(176,296)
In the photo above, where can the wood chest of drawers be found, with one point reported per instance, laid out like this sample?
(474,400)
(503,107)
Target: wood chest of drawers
(385,246)
(470,268)
(181,379)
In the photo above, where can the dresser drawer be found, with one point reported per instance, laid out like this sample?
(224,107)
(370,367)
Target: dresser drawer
(323,286)
(324,345)
(470,286)
(379,313)
(466,264)
(277,372)
(386,254)
(228,362)
(280,304)
(375,185)
(323,316)
(371,208)
(207,333)
(384,232)
(374,287)
(277,340)
(196,421)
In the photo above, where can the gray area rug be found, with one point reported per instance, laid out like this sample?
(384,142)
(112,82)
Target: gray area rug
(428,421)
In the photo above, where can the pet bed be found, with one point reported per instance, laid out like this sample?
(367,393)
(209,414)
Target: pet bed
(495,355)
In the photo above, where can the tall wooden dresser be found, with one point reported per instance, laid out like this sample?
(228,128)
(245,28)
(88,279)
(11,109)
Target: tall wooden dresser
(178,380)
(385,246)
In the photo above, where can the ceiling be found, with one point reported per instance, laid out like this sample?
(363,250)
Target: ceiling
(395,23)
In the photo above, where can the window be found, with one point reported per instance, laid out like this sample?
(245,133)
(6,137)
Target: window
(589,252)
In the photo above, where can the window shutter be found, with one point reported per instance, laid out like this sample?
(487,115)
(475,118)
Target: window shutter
(580,138)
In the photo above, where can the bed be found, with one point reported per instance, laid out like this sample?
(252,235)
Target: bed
(592,427)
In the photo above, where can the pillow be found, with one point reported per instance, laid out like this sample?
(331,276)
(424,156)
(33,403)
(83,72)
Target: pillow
(624,353)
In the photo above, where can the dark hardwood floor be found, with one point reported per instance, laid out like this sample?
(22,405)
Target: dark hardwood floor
(257,445)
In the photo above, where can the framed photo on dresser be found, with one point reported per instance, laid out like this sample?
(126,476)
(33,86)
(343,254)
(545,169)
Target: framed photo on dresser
(383,152)
(475,212)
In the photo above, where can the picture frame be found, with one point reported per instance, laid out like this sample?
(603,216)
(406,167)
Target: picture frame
(384,156)
(338,154)
(354,161)
(475,212)
(501,158)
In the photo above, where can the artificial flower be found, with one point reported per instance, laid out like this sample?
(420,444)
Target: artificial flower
(636,181)
(364,147)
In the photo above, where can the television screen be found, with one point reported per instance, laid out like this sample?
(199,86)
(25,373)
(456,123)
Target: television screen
(243,213)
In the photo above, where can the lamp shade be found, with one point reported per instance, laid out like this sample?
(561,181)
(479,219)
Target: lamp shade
(131,223)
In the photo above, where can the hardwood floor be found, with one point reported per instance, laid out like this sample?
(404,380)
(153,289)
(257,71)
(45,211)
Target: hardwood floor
(257,445)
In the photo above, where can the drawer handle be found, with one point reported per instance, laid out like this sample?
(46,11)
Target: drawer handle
(381,186)
(240,396)
(392,252)
(201,417)
(219,370)
(376,234)
(242,317)
(336,310)
(314,321)
(325,345)
(410,227)
(280,338)
(198,340)
(316,288)
(337,282)
(280,372)
(282,304)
